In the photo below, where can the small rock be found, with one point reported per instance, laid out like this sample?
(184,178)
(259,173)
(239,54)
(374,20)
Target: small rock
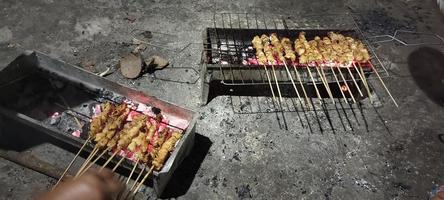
(159,62)
(147,34)
(243,191)
(131,66)
(236,156)
(87,64)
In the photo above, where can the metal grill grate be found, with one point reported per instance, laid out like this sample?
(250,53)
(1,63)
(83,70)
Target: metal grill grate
(227,46)
(254,88)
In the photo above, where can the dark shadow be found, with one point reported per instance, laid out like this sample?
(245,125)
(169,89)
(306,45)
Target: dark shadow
(17,137)
(426,66)
(184,175)
(441,137)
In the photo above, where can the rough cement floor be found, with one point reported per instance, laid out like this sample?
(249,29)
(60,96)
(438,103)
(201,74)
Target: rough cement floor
(398,156)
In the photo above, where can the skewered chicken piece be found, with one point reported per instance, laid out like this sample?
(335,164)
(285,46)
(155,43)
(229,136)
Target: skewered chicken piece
(267,48)
(131,130)
(141,152)
(289,53)
(278,48)
(114,123)
(98,123)
(257,43)
(151,131)
(260,55)
(158,143)
(335,47)
(166,148)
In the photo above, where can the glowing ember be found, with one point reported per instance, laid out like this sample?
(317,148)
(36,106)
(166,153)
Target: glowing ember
(131,115)
(55,118)
(96,110)
(76,133)
(143,108)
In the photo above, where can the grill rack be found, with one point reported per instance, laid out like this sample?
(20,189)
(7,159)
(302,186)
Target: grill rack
(77,86)
(227,40)
(228,43)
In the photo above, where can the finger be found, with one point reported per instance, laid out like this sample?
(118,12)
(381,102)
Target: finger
(106,174)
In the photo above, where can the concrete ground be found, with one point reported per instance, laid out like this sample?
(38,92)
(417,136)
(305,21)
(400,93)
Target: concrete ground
(382,152)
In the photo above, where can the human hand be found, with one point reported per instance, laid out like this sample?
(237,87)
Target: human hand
(93,185)
(440,194)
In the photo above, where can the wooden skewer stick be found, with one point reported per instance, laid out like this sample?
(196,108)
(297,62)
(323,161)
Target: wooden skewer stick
(292,81)
(364,79)
(93,162)
(324,81)
(339,85)
(88,159)
(383,84)
(269,83)
(109,160)
(354,81)
(143,180)
(118,163)
(277,86)
(302,85)
(137,179)
(314,84)
(67,106)
(72,162)
(346,85)
(132,171)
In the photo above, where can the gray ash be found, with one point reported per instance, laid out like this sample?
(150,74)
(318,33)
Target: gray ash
(379,22)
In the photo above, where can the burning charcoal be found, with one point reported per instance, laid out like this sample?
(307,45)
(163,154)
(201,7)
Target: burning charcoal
(118,99)
(55,118)
(156,110)
(76,133)
(106,94)
(243,191)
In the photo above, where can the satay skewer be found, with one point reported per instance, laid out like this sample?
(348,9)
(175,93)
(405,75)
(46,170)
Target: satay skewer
(143,180)
(93,162)
(354,81)
(301,84)
(314,84)
(292,81)
(109,160)
(87,160)
(364,79)
(325,78)
(277,86)
(324,81)
(132,171)
(118,163)
(270,84)
(383,84)
(339,85)
(346,85)
(72,161)
(137,179)
(285,46)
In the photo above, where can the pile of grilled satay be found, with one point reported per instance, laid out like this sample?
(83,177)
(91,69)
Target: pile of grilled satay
(142,139)
(111,132)
(336,48)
